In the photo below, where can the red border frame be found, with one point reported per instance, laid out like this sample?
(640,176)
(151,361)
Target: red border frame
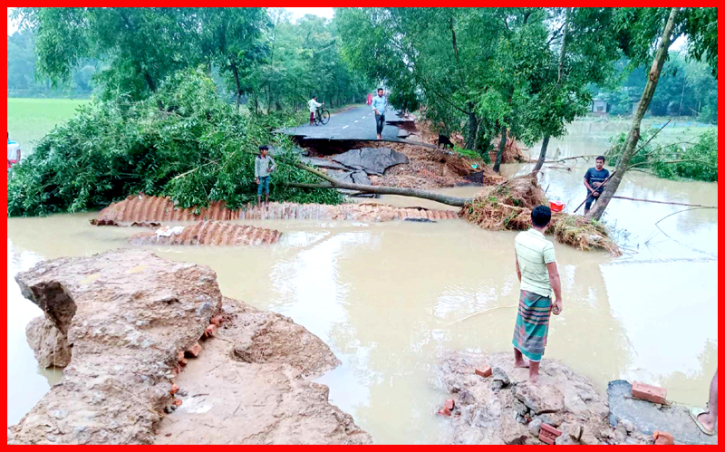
(339,3)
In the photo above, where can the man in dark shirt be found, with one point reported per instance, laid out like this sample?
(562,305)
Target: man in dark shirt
(593,180)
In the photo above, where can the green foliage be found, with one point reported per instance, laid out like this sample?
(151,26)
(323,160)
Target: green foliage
(685,88)
(22,81)
(467,153)
(201,151)
(699,158)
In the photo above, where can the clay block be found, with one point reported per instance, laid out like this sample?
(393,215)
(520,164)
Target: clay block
(548,434)
(546,437)
(210,330)
(444,412)
(178,402)
(216,320)
(484,371)
(663,438)
(174,389)
(650,393)
(450,403)
(181,359)
(194,350)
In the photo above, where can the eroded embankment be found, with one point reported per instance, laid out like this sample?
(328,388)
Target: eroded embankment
(128,317)
(137,208)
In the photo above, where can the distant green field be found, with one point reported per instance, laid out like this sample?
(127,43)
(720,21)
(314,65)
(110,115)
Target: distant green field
(30,119)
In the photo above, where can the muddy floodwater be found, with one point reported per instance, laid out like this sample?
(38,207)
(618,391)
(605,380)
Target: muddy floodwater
(388,298)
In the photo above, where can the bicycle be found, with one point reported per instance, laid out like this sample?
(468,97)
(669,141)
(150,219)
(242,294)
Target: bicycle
(322,116)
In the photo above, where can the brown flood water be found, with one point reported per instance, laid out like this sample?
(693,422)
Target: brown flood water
(388,297)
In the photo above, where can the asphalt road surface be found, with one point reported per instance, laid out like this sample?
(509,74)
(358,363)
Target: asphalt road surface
(355,124)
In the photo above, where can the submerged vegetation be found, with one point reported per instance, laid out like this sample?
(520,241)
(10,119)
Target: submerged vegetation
(693,158)
(508,207)
(196,150)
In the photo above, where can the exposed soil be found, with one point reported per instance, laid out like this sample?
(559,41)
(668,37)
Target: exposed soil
(513,151)
(506,409)
(129,317)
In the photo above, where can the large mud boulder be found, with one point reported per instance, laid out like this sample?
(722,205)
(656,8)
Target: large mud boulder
(506,409)
(49,344)
(371,160)
(128,317)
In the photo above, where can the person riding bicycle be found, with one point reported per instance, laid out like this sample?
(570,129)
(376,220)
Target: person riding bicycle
(314,105)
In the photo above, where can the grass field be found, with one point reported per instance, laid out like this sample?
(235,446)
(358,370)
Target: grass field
(30,119)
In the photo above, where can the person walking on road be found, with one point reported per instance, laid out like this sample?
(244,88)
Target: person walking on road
(380,103)
(314,105)
(263,167)
(539,277)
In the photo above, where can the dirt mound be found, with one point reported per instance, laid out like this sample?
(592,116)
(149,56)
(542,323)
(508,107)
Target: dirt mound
(432,168)
(512,151)
(209,233)
(127,317)
(505,409)
(508,206)
(249,387)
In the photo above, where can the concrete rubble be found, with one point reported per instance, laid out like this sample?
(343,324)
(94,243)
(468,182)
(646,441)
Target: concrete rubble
(505,408)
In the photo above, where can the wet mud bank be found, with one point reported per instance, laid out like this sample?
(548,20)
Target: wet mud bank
(158,354)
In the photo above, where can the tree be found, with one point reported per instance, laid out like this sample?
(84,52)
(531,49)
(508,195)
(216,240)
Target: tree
(638,31)
(140,45)
(231,40)
(586,53)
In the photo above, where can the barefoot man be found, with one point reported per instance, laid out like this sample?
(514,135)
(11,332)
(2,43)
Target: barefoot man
(539,277)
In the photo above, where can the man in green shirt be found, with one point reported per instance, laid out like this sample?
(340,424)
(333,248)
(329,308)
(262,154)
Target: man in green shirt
(539,277)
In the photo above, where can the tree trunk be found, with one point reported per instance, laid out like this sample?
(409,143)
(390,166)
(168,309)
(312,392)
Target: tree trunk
(501,147)
(382,190)
(682,95)
(633,137)
(542,155)
(472,128)
(239,86)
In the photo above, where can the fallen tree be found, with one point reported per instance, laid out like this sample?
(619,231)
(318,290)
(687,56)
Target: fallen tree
(505,206)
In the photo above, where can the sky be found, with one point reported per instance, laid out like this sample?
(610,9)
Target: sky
(297,13)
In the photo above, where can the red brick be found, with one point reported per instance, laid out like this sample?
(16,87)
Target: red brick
(181,359)
(484,371)
(216,320)
(546,437)
(178,402)
(650,393)
(210,330)
(663,438)
(450,404)
(555,432)
(174,389)
(194,350)
(444,412)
